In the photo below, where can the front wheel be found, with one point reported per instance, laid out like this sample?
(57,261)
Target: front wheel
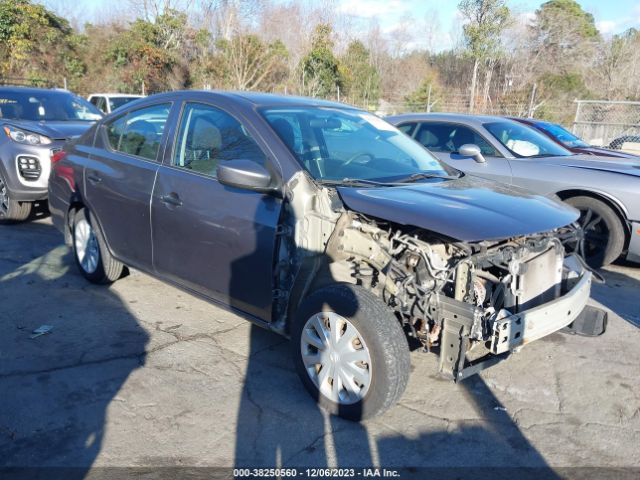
(91,253)
(350,351)
(603,235)
(11,209)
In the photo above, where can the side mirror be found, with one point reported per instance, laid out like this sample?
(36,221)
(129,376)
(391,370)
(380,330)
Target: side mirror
(244,174)
(473,151)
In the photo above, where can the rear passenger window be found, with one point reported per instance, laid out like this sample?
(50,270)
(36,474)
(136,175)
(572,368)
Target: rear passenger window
(208,136)
(98,102)
(449,137)
(139,132)
(407,128)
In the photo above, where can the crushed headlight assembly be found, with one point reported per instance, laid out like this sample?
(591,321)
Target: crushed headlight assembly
(25,137)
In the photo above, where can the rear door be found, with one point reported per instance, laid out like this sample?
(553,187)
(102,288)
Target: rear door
(444,139)
(119,179)
(216,240)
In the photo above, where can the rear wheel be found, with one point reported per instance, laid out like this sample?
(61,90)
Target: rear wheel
(91,253)
(350,351)
(12,209)
(603,234)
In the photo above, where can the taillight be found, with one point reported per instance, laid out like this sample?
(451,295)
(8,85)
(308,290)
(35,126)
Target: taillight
(57,156)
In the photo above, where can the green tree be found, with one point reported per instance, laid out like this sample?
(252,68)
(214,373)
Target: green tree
(486,20)
(36,43)
(360,78)
(149,53)
(565,36)
(319,69)
(426,96)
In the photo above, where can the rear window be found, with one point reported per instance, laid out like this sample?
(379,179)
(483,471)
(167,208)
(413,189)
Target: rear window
(563,135)
(117,102)
(46,106)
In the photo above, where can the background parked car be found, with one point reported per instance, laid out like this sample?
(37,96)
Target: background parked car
(627,143)
(568,140)
(108,102)
(35,123)
(241,198)
(606,190)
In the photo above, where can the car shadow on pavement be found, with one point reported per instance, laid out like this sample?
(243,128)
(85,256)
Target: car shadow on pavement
(491,447)
(614,293)
(279,425)
(56,388)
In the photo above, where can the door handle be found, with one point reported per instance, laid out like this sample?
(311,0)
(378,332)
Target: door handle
(93,178)
(171,199)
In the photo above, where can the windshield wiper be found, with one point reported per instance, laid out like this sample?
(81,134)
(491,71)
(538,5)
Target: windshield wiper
(354,182)
(420,176)
(545,155)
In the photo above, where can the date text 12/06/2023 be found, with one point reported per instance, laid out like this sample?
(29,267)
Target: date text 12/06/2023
(240,473)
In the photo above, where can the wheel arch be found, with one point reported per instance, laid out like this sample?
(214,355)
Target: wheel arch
(607,199)
(314,274)
(76,204)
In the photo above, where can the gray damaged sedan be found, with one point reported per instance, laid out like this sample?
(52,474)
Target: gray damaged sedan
(325,224)
(606,190)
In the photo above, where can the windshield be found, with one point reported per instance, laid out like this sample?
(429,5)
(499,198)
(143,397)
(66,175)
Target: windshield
(336,144)
(117,102)
(46,106)
(563,135)
(525,141)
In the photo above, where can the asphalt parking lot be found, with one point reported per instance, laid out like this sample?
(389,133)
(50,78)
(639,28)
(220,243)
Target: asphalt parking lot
(142,374)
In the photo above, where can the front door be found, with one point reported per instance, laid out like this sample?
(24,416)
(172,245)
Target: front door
(444,139)
(119,179)
(216,240)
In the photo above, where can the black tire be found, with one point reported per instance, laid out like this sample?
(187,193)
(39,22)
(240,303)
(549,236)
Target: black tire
(107,269)
(604,232)
(11,209)
(381,332)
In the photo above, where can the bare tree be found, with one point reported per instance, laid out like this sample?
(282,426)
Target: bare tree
(486,21)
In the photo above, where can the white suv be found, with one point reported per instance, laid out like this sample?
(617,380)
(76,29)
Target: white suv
(108,102)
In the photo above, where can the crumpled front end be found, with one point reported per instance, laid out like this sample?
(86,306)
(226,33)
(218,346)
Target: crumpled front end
(473,303)
(474,338)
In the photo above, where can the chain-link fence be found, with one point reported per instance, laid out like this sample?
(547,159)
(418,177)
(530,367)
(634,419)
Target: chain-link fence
(612,124)
(522,103)
(458,102)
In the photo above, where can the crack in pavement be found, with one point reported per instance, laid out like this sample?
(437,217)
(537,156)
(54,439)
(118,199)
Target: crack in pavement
(310,446)
(140,356)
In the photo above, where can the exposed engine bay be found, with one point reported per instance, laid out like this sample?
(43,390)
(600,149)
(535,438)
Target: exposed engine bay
(469,301)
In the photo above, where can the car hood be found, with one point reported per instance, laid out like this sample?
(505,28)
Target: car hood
(625,166)
(465,209)
(54,130)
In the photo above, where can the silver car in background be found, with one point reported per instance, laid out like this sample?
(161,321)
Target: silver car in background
(606,190)
(34,124)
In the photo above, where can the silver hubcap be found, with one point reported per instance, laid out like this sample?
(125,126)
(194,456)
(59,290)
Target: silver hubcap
(86,246)
(4,198)
(336,358)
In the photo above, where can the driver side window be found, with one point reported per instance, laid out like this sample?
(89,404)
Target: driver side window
(449,137)
(208,136)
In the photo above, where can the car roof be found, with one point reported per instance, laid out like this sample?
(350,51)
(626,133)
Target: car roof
(256,99)
(447,117)
(532,121)
(127,95)
(34,90)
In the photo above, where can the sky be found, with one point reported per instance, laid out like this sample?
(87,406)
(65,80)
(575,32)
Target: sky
(612,16)
(434,24)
